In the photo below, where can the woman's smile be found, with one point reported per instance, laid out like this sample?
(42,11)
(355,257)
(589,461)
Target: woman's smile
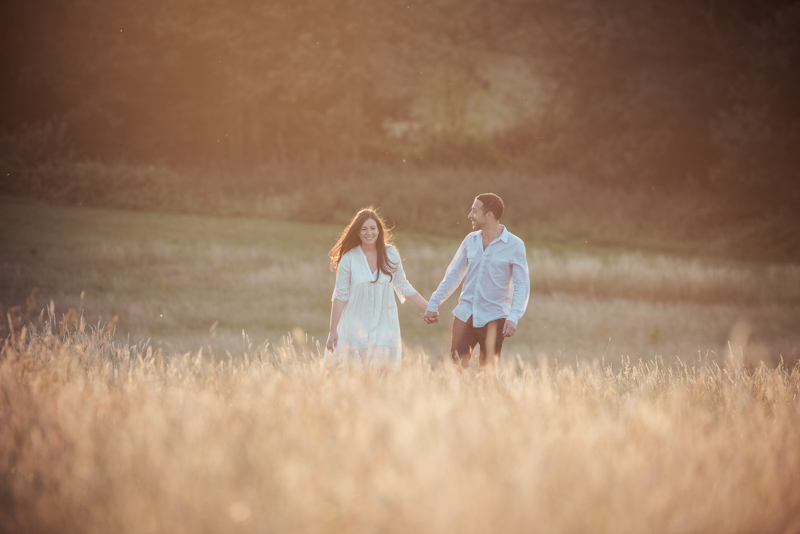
(369,232)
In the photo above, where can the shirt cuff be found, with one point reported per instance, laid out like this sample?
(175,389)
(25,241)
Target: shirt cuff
(513,318)
(432,308)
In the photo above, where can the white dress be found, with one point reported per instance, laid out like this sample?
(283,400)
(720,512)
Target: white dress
(369,330)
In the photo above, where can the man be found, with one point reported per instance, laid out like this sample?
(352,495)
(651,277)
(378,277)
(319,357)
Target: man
(496,289)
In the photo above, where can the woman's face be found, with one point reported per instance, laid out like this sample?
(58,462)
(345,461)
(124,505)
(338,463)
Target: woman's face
(369,232)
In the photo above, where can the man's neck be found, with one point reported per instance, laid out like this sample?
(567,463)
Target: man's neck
(491,232)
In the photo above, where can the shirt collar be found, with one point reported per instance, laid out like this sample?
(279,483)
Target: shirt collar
(503,235)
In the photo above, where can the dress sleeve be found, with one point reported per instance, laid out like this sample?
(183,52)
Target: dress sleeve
(342,289)
(402,286)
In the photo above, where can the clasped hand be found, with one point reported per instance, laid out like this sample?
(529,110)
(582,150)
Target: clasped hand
(430,317)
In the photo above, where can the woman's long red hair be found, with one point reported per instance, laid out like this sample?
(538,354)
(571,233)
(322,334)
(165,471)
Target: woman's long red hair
(350,240)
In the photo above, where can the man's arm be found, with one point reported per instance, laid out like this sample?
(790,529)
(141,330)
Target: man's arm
(452,278)
(521,279)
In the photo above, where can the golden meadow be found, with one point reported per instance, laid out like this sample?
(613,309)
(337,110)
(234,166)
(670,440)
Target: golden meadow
(96,436)
(185,392)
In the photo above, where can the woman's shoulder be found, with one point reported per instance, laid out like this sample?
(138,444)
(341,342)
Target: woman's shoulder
(347,256)
(392,251)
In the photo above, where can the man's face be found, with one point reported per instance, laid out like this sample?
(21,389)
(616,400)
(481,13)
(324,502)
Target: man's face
(477,215)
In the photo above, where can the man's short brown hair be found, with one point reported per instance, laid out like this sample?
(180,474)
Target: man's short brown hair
(493,203)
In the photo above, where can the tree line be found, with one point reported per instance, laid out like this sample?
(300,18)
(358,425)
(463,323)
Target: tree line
(657,93)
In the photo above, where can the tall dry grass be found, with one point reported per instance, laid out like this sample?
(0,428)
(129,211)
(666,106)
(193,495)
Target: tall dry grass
(96,436)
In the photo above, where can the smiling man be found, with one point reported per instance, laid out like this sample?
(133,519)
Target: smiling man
(496,289)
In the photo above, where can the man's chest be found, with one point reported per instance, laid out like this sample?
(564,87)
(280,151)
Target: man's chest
(477,253)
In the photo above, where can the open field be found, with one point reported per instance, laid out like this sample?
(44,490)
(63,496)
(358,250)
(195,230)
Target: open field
(96,438)
(186,282)
(204,429)
(174,173)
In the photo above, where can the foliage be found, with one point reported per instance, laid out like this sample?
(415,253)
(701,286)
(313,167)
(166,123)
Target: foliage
(35,143)
(695,96)
(759,135)
(626,91)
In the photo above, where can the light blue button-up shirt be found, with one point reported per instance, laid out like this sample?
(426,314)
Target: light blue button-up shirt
(497,282)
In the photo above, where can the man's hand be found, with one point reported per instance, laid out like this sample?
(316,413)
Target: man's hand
(430,317)
(509,329)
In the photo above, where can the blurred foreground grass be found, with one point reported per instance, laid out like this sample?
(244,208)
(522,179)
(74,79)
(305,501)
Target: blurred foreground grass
(188,281)
(97,437)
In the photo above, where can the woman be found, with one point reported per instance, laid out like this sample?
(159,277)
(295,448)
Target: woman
(364,323)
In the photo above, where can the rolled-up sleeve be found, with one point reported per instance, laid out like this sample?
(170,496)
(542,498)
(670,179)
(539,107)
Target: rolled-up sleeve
(520,278)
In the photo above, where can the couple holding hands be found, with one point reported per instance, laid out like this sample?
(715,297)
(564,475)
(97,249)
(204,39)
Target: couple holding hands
(364,324)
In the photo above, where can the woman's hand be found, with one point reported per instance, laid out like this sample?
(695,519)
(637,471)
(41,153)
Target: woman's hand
(337,307)
(333,339)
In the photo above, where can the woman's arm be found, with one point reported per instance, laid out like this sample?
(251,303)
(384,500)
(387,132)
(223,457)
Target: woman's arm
(402,286)
(336,314)
(417,300)
(341,294)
